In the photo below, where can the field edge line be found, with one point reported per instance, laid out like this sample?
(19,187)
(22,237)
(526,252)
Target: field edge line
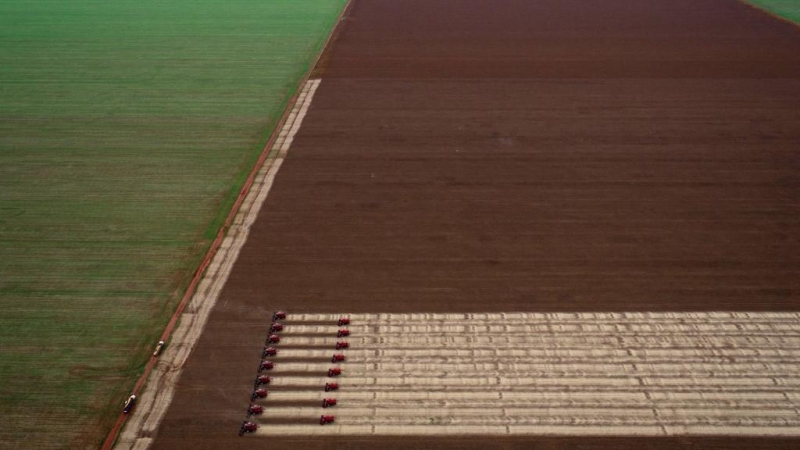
(269,153)
(774,15)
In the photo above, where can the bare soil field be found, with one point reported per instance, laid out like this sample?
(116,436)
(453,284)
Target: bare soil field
(549,156)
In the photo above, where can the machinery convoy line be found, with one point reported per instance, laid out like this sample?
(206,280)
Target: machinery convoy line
(304,384)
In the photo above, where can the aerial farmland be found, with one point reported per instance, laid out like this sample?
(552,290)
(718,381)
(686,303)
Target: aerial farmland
(400,223)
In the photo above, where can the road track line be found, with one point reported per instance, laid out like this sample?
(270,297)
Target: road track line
(153,401)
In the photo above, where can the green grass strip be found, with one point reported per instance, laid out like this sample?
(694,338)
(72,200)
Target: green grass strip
(788,9)
(127,128)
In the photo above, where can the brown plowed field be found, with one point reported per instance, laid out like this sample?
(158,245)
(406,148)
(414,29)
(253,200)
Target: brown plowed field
(517,155)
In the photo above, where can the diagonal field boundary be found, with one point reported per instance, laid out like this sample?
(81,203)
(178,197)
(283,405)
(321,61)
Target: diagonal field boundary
(154,400)
(644,374)
(774,11)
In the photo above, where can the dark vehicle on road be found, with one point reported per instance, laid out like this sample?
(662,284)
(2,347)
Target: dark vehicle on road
(129,403)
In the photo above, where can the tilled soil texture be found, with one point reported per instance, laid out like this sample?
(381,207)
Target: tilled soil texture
(512,155)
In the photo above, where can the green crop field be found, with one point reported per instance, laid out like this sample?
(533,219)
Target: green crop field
(127,128)
(788,9)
